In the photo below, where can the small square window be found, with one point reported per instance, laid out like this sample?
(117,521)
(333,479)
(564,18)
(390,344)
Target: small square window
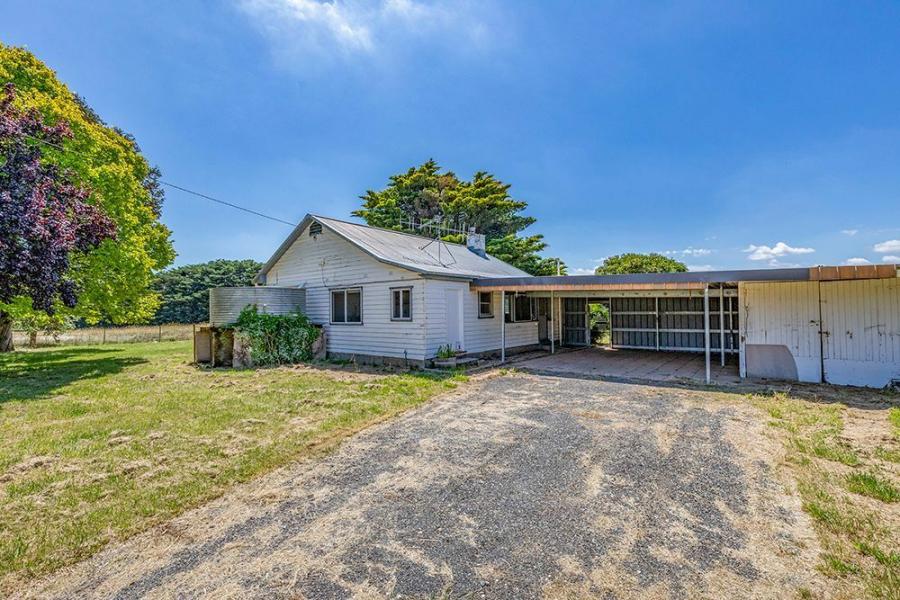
(346,306)
(401,304)
(485,305)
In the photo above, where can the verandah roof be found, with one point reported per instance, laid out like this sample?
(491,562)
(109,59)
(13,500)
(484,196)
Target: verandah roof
(694,280)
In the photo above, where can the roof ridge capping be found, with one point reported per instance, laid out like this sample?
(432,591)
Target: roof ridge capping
(385,229)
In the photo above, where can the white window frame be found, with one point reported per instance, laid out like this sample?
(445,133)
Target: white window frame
(400,290)
(490,303)
(345,291)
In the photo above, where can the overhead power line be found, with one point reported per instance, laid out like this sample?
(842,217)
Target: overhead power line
(177,187)
(210,198)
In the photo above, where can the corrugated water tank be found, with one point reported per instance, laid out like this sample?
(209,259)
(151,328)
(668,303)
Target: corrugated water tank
(226,303)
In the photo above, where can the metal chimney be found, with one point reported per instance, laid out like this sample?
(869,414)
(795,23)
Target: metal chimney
(476,243)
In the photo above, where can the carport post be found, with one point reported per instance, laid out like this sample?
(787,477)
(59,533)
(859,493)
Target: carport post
(552,327)
(722,322)
(502,326)
(706,329)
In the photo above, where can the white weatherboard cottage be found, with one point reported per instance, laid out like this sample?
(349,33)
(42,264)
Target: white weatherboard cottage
(383,294)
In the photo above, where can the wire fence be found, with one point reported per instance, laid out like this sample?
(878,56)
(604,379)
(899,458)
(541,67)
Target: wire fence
(108,335)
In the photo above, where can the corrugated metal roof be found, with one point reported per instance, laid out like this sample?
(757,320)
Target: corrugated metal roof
(653,278)
(413,252)
(692,277)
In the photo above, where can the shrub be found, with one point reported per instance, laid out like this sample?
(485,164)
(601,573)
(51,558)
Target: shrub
(277,339)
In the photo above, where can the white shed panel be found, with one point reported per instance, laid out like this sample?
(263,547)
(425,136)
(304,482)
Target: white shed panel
(861,327)
(780,330)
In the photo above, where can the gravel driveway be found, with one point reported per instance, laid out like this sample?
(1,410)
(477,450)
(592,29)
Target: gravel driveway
(516,486)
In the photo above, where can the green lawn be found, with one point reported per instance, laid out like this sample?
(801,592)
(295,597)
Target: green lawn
(97,443)
(848,483)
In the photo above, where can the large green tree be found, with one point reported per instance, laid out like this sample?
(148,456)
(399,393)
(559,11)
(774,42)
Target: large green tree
(113,279)
(425,193)
(184,291)
(633,262)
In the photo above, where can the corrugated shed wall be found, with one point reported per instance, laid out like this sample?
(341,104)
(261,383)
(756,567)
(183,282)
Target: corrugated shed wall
(780,323)
(225,304)
(861,322)
(679,323)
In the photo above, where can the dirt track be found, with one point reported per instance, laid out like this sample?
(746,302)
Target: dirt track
(515,487)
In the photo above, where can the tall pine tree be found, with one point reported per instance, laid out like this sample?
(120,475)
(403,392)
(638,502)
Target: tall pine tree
(424,193)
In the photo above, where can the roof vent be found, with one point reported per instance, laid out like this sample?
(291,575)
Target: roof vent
(315,228)
(475,242)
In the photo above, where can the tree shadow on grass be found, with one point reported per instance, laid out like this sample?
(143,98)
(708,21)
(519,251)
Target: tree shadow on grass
(35,375)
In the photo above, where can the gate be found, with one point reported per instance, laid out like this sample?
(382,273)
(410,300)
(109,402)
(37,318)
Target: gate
(575,322)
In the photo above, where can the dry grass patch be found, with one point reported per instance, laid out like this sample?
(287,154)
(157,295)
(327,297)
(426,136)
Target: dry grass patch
(842,445)
(98,443)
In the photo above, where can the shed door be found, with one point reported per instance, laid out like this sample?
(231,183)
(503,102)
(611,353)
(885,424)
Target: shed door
(575,322)
(861,331)
(453,302)
(780,330)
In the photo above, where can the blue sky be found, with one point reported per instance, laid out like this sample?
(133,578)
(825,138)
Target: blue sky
(731,135)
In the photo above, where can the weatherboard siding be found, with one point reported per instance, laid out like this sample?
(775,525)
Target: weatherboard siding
(326,262)
(480,335)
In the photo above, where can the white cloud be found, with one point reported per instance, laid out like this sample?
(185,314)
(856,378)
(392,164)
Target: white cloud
(689,251)
(850,232)
(300,30)
(699,267)
(890,258)
(888,246)
(344,24)
(772,253)
(857,261)
(581,271)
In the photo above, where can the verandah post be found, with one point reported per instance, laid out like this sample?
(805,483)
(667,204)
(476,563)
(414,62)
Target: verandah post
(552,327)
(502,326)
(706,330)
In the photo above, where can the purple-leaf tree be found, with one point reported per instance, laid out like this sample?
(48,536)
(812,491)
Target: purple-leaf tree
(44,216)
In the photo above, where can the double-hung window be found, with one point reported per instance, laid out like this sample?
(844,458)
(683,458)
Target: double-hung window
(401,304)
(346,306)
(485,305)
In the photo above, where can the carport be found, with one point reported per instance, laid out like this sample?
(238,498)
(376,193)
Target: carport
(620,363)
(774,323)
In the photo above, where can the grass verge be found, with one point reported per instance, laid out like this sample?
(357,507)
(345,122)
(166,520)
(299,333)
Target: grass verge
(98,443)
(847,483)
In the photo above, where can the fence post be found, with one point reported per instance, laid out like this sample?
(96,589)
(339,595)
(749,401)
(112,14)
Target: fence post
(159,337)
(104,335)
